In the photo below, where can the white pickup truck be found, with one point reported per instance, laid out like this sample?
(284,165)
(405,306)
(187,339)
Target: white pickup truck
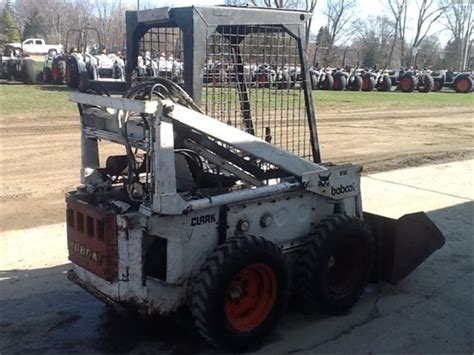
(37,46)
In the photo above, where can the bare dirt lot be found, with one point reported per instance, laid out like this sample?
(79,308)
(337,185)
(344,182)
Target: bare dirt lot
(40,152)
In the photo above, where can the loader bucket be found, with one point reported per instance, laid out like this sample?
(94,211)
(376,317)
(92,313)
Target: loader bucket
(402,244)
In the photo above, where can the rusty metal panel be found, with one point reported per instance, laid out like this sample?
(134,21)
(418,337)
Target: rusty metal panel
(92,238)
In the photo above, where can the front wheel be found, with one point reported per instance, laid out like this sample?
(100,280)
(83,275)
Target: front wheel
(239,293)
(335,265)
(425,83)
(368,83)
(463,84)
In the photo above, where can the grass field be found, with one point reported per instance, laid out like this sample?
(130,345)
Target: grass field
(50,99)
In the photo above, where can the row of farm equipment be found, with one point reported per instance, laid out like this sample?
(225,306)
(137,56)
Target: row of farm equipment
(79,69)
(384,80)
(84,65)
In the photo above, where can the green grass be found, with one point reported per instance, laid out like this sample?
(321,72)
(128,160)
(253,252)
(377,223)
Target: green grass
(41,100)
(390,100)
(346,100)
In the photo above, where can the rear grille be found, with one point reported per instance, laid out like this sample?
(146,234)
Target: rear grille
(92,238)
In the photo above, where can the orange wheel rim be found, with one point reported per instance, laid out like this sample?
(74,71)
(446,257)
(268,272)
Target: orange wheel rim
(250,297)
(463,85)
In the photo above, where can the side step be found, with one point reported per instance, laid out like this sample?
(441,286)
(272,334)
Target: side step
(402,244)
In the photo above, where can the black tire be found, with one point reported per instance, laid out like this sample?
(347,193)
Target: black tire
(425,83)
(356,83)
(408,82)
(284,82)
(11,72)
(28,71)
(323,282)
(83,82)
(47,75)
(314,81)
(437,85)
(463,84)
(210,291)
(59,77)
(327,83)
(340,82)
(72,74)
(385,83)
(368,83)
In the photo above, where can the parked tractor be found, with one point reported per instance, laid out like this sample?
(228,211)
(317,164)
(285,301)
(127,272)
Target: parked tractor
(54,68)
(220,203)
(412,79)
(265,76)
(16,65)
(321,78)
(90,64)
(458,81)
(55,64)
(348,77)
(376,79)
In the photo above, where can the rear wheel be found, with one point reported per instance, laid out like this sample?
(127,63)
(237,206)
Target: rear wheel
(437,85)
(314,81)
(83,81)
(72,74)
(284,82)
(408,83)
(59,72)
(28,71)
(368,83)
(463,85)
(340,82)
(240,292)
(425,83)
(356,83)
(328,82)
(335,265)
(47,75)
(385,83)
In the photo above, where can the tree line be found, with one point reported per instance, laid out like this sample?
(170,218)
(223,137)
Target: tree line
(393,38)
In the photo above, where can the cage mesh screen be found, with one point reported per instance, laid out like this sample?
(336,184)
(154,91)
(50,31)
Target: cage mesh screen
(253,81)
(161,54)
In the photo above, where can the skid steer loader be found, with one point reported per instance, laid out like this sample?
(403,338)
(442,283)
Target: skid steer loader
(219,201)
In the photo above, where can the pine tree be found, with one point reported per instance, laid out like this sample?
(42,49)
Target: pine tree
(370,58)
(34,25)
(8,24)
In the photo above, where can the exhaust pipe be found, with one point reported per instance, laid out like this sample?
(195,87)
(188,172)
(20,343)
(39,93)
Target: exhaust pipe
(402,244)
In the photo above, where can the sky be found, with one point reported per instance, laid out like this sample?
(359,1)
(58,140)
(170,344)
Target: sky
(365,8)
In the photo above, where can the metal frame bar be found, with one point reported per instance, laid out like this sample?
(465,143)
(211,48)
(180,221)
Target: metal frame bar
(197,23)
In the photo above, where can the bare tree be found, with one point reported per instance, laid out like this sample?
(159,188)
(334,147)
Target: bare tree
(459,21)
(399,12)
(374,35)
(306,5)
(339,15)
(105,10)
(428,13)
(310,6)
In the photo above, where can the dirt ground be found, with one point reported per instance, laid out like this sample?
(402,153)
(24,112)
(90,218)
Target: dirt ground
(40,156)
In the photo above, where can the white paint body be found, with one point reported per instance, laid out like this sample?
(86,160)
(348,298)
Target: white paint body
(281,210)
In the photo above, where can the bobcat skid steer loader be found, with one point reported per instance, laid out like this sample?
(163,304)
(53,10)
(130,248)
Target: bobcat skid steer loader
(218,200)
